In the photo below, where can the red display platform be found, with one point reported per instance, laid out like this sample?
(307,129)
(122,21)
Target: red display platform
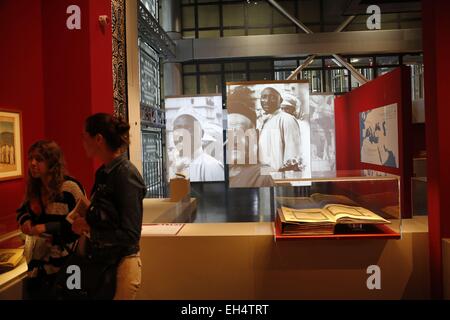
(379,231)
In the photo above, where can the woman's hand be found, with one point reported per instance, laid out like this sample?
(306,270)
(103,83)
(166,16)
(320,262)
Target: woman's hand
(38,229)
(80,226)
(26,227)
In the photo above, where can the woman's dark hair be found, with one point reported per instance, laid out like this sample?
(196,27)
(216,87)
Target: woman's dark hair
(114,130)
(51,153)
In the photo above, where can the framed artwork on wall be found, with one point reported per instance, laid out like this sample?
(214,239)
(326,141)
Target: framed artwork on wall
(11,161)
(379,136)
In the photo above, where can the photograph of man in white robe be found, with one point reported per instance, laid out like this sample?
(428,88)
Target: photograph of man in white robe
(282,124)
(194,135)
(280,145)
(202,166)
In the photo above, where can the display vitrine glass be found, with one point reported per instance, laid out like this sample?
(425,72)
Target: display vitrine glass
(347,204)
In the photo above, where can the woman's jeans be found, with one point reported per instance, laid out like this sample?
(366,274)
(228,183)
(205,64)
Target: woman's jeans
(128,277)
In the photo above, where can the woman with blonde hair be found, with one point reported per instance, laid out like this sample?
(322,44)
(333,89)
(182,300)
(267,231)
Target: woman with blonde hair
(50,195)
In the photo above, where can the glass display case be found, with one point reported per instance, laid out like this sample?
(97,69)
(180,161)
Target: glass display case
(345,204)
(419,187)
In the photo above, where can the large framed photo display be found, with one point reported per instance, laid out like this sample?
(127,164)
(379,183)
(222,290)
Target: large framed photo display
(268,132)
(379,136)
(10,144)
(194,134)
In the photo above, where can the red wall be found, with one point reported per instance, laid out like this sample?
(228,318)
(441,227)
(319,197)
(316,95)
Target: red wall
(78,77)
(21,87)
(102,93)
(436,35)
(393,87)
(57,77)
(67,85)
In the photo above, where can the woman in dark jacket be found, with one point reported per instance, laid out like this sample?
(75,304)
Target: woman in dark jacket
(114,219)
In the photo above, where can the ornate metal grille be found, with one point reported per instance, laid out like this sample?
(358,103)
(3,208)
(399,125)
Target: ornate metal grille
(119,58)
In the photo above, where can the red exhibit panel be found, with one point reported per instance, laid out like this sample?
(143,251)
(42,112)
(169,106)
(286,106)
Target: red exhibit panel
(391,88)
(56,77)
(21,89)
(436,50)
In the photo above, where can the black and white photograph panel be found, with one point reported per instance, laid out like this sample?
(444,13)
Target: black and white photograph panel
(268,132)
(194,132)
(323,134)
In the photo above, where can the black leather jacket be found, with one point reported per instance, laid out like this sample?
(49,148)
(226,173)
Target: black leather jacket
(115,214)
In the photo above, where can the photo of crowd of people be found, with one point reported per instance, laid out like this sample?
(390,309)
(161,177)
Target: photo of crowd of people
(268,131)
(7,154)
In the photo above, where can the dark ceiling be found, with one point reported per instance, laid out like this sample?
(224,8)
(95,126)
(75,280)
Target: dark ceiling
(358,7)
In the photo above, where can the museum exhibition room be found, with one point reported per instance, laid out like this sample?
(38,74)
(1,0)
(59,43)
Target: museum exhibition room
(224,150)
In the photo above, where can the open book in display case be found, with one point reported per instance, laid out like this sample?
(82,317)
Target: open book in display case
(339,205)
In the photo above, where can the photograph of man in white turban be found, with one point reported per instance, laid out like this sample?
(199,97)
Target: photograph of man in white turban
(194,132)
(282,126)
